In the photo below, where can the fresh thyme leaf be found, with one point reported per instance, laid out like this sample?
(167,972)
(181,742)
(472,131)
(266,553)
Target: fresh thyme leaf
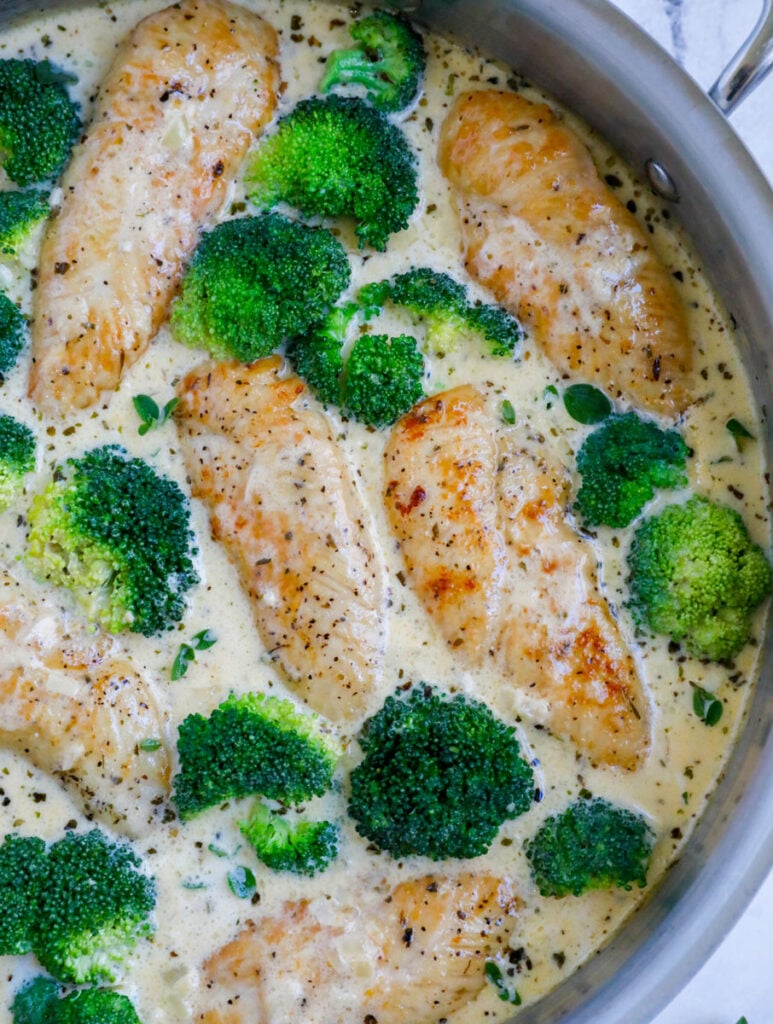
(586,404)
(185,656)
(739,432)
(150,414)
(150,744)
(508,412)
(494,974)
(706,706)
(241,882)
(204,640)
(550,394)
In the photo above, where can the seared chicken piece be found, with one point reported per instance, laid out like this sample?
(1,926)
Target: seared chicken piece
(177,112)
(416,956)
(283,501)
(482,528)
(80,713)
(548,237)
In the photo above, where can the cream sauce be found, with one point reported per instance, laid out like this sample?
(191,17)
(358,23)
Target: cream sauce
(196,912)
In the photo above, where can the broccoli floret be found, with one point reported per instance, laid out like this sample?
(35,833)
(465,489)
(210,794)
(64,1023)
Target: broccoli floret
(305,848)
(38,1002)
(338,157)
(442,305)
(439,777)
(383,378)
(316,355)
(92,908)
(118,535)
(252,744)
(697,576)
(95,1006)
(388,61)
(13,334)
(17,457)
(38,120)
(22,865)
(19,213)
(591,845)
(622,463)
(255,281)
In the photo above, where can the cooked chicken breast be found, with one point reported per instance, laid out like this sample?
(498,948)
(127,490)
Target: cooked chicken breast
(548,237)
(82,714)
(480,518)
(417,955)
(177,112)
(283,501)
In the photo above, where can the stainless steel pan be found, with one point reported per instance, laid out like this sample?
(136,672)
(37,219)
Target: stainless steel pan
(598,62)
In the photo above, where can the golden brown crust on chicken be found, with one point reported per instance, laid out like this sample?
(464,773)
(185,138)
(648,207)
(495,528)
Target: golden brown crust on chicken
(421,956)
(491,519)
(177,112)
(80,713)
(284,503)
(555,246)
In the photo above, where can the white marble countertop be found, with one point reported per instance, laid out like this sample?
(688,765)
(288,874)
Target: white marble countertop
(703,35)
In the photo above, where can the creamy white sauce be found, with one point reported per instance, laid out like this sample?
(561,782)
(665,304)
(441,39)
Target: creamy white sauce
(196,912)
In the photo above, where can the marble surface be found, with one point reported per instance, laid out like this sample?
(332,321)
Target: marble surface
(703,35)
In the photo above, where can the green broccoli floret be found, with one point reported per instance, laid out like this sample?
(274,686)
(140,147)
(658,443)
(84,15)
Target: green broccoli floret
(95,1006)
(622,463)
(38,1002)
(255,281)
(338,157)
(383,378)
(92,908)
(316,355)
(118,535)
(305,848)
(442,305)
(591,845)
(22,865)
(17,457)
(19,213)
(697,576)
(252,744)
(439,777)
(13,334)
(38,120)
(388,61)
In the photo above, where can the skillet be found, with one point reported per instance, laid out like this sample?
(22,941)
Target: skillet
(595,60)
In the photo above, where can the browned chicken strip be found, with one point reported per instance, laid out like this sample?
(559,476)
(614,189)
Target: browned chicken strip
(80,713)
(284,503)
(555,246)
(177,112)
(420,956)
(482,528)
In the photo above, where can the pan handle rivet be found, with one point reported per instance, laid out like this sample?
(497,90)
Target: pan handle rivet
(661,181)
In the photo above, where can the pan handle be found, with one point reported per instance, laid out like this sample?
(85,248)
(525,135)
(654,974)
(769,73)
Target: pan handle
(748,67)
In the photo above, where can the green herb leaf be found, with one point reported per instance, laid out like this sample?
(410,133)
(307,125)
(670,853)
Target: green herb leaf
(586,404)
(150,745)
(185,656)
(241,882)
(148,411)
(739,432)
(204,640)
(550,394)
(508,412)
(217,850)
(494,975)
(706,706)
(200,642)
